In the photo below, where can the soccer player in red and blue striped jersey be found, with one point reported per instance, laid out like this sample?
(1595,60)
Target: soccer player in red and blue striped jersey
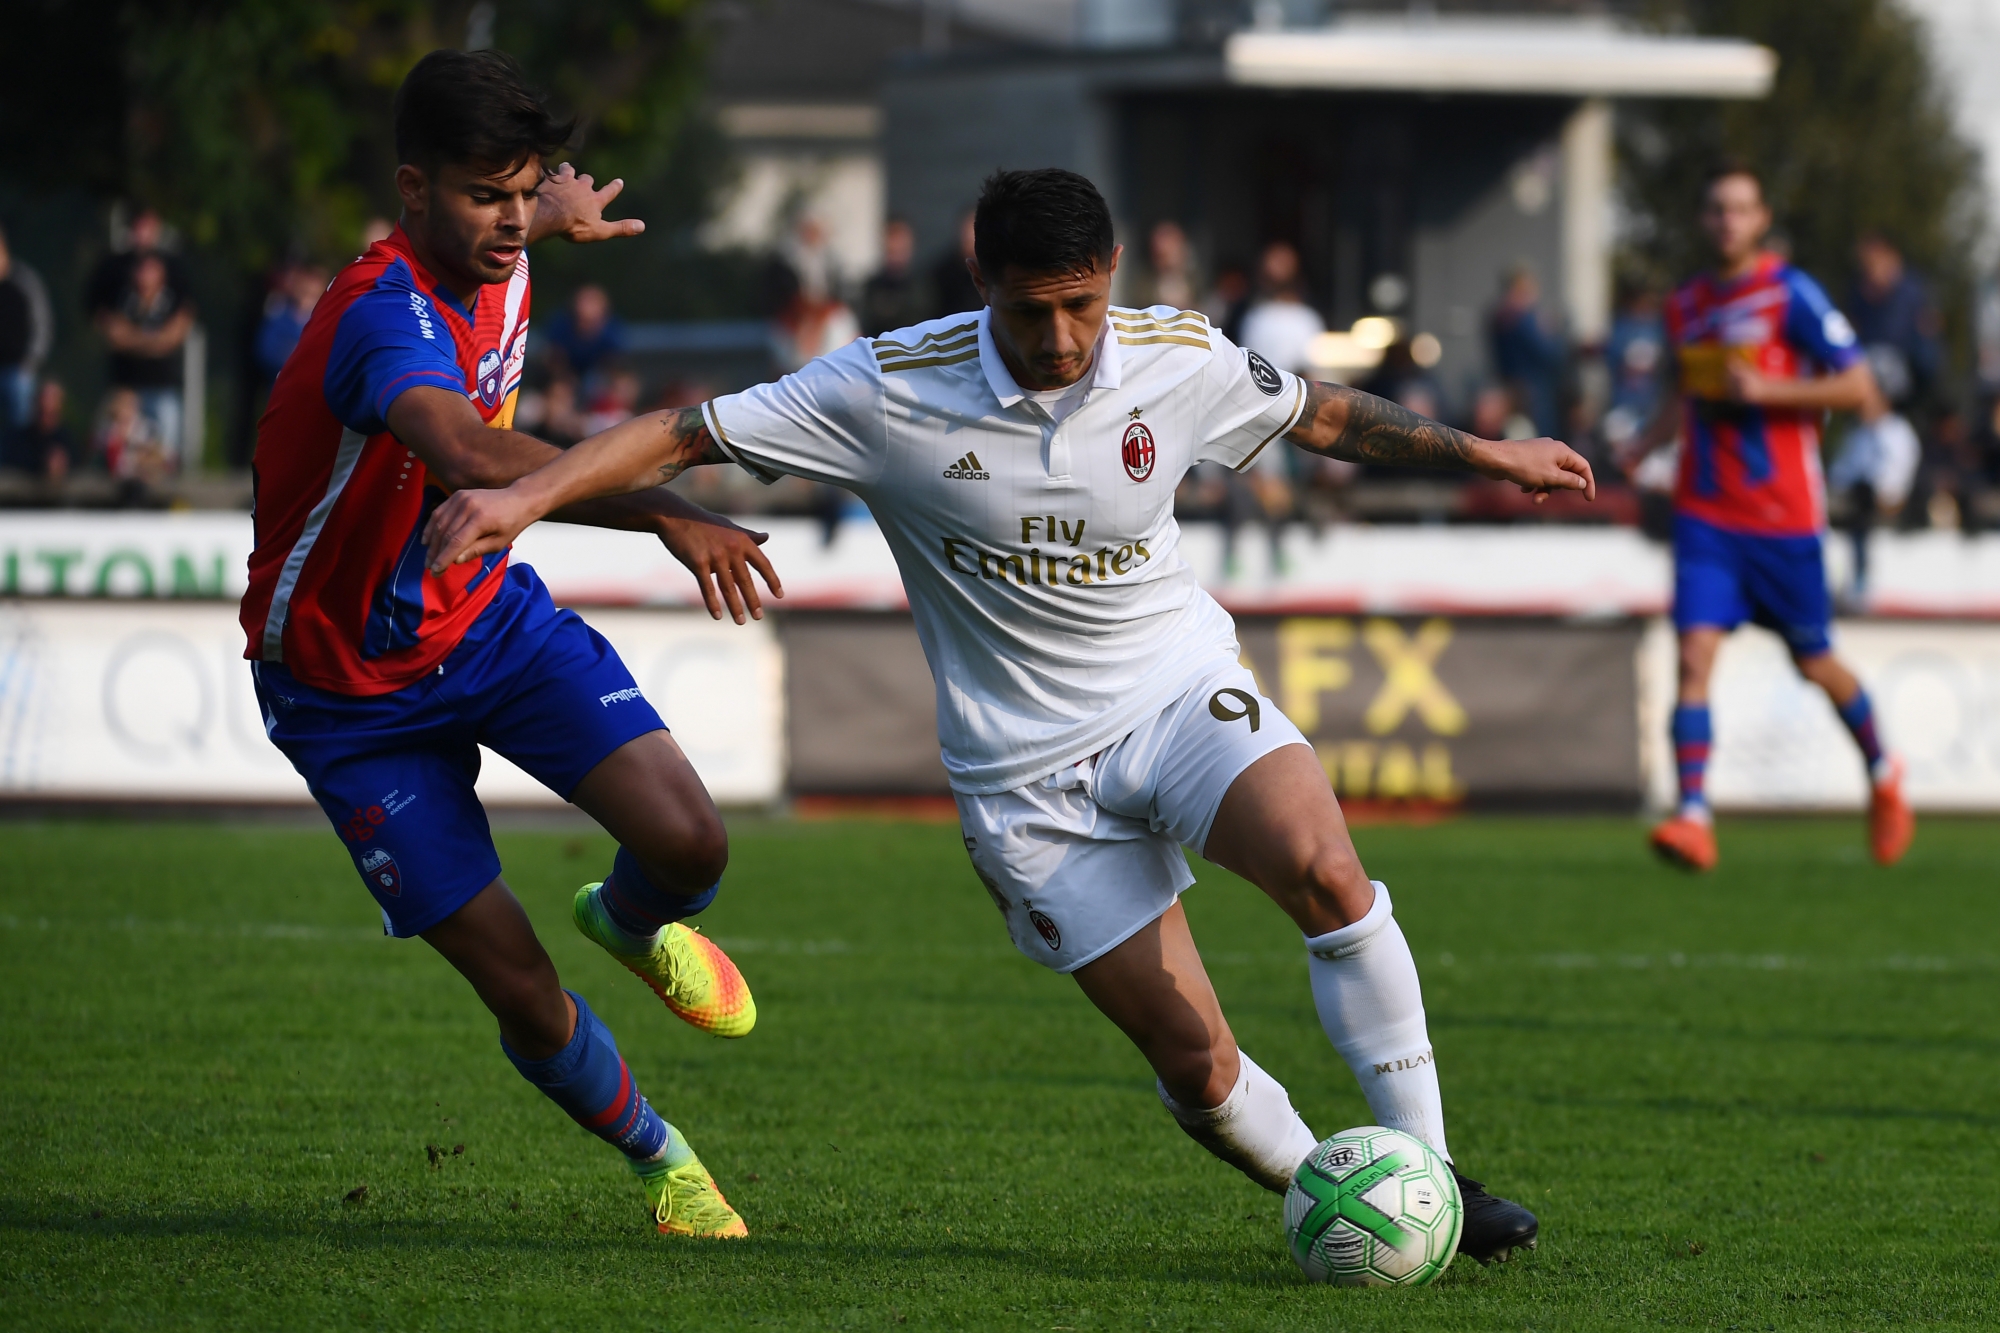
(379,678)
(1761,356)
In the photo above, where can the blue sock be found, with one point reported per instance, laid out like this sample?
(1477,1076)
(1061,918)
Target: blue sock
(1859,715)
(638,907)
(1692,738)
(589,1080)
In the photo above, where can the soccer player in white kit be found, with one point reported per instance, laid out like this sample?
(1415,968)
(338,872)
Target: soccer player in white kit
(1093,712)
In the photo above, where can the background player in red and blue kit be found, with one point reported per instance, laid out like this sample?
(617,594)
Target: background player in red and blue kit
(1761,356)
(379,679)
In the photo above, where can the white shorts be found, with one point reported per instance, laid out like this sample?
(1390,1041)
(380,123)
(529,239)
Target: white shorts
(1081,860)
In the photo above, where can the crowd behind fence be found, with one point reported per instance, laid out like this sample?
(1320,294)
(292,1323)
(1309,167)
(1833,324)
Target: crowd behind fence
(1932,461)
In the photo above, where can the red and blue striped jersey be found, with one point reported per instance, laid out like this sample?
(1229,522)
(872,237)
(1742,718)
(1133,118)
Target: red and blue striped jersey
(339,591)
(1746,468)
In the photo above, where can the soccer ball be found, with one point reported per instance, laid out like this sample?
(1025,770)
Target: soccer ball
(1373,1207)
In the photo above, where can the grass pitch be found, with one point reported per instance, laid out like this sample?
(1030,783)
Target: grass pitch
(1761,1099)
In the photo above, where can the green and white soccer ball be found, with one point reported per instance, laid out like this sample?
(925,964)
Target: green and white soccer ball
(1373,1207)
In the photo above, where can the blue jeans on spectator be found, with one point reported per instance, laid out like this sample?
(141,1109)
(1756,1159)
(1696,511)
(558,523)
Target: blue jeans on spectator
(17,398)
(163,408)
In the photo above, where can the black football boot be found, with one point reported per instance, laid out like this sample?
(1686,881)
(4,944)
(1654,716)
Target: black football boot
(1494,1227)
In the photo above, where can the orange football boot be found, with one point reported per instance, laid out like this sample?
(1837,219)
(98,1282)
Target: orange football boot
(1891,822)
(1687,843)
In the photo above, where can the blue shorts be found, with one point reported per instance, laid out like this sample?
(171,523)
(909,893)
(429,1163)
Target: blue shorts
(394,772)
(1723,578)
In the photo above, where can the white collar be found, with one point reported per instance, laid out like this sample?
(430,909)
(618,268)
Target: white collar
(1105,370)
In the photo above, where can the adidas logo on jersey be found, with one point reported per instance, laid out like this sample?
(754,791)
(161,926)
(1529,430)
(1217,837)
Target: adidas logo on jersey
(967,469)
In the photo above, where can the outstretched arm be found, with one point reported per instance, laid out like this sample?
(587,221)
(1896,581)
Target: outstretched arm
(461,451)
(1345,423)
(636,455)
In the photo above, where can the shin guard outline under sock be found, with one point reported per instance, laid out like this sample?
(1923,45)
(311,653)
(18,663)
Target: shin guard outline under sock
(1364,984)
(1859,715)
(1694,735)
(1255,1129)
(637,907)
(588,1079)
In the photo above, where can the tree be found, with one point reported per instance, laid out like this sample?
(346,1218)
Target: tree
(259,125)
(261,129)
(1856,136)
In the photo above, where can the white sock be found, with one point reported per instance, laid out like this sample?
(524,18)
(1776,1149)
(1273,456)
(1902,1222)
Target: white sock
(1255,1129)
(1364,984)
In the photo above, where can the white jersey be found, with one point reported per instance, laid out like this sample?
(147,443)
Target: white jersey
(1040,557)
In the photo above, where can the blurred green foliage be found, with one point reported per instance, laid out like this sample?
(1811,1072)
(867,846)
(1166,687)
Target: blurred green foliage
(261,130)
(260,126)
(1856,136)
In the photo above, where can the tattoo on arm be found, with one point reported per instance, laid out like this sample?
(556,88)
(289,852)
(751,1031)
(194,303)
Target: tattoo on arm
(1345,423)
(691,444)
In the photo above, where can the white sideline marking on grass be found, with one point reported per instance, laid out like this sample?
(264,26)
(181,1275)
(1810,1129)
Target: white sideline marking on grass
(1565,962)
(241,930)
(1639,962)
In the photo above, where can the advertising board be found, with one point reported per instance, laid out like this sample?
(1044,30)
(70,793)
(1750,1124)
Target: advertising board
(1779,745)
(153,702)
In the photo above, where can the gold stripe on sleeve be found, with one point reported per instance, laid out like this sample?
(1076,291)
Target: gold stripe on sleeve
(930,342)
(949,359)
(1298,407)
(1149,339)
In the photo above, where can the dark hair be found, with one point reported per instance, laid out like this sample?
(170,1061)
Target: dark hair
(1725,167)
(473,108)
(1043,221)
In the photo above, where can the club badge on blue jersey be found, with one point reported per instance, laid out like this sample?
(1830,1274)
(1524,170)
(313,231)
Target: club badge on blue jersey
(379,869)
(489,376)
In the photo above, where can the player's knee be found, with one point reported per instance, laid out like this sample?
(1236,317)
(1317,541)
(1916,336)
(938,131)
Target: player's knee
(1332,881)
(689,855)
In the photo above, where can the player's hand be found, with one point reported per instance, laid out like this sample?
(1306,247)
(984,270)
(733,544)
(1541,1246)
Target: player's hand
(470,524)
(1539,467)
(721,555)
(1747,384)
(568,206)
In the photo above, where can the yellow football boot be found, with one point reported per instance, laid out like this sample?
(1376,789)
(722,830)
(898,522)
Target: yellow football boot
(684,967)
(685,1201)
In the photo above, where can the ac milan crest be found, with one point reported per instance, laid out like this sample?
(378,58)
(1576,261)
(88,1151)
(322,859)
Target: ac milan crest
(1050,935)
(1137,451)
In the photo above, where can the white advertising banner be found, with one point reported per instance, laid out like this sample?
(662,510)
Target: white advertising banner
(1780,745)
(153,702)
(1529,569)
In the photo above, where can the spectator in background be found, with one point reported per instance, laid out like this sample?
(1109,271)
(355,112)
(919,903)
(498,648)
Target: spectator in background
(895,297)
(127,444)
(586,337)
(952,292)
(1899,329)
(44,446)
(815,321)
(1898,324)
(1527,355)
(26,331)
(1229,301)
(615,399)
(1280,327)
(1171,276)
(141,303)
(1632,356)
(286,311)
